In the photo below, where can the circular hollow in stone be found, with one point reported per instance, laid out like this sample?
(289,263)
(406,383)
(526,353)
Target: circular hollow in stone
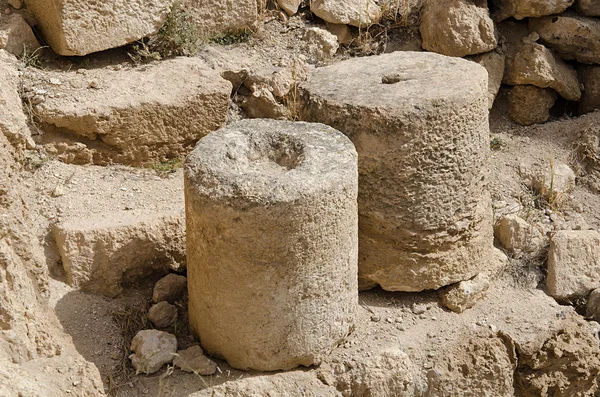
(419,122)
(272,242)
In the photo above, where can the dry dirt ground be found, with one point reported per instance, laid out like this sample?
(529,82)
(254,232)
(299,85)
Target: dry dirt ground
(97,324)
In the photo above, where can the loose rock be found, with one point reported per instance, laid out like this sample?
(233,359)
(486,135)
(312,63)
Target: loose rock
(193,360)
(151,350)
(289,6)
(169,288)
(322,45)
(572,36)
(518,235)
(359,13)
(261,104)
(162,314)
(528,104)
(16,36)
(520,9)
(342,32)
(573,263)
(221,16)
(457,27)
(590,8)
(493,62)
(466,294)
(550,180)
(592,307)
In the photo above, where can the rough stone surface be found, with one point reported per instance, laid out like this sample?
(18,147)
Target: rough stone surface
(457,27)
(261,104)
(481,364)
(137,116)
(590,8)
(289,6)
(573,263)
(493,62)
(306,385)
(466,294)
(290,188)
(342,32)
(151,350)
(589,75)
(322,45)
(520,9)
(74,27)
(517,235)
(572,36)
(548,178)
(16,35)
(169,288)
(422,135)
(359,13)
(221,16)
(17,4)
(534,64)
(193,360)
(101,253)
(386,373)
(528,104)
(162,314)
(592,307)
(13,123)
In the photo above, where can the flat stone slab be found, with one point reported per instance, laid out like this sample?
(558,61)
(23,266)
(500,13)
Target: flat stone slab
(136,116)
(421,132)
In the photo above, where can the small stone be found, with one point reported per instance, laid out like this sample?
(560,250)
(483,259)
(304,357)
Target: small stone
(520,9)
(528,104)
(152,349)
(169,288)
(163,314)
(55,81)
(419,308)
(465,294)
(375,318)
(289,6)
(193,360)
(342,32)
(322,44)
(16,4)
(516,234)
(358,13)
(58,191)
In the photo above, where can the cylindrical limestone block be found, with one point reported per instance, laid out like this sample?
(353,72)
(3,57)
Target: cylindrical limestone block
(272,242)
(419,122)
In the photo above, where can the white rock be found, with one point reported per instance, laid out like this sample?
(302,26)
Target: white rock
(322,44)
(359,13)
(465,294)
(573,263)
(516,234)
(152,349)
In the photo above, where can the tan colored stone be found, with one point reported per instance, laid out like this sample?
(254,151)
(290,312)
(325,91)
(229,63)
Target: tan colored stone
(16,35)
(590,8)
(572,36)
(457,27)
(101,253)
(466,294)
(151,350)
(342,32)
(592,307)
(136,116)
(573,263)
(493,62)
(520,9)
(421,132)
(322,44)
(169,288)
(271,242)
(289,6)
(307,385)
(80,27)
(516,234)
(534,64)
(589,75)
(359,13)
(221,16)
(17,4)
(193,360)
(162,314)
(261,104)
(549,178)
(528,104)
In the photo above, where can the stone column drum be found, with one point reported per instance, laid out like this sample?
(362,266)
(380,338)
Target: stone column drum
(272,242)
(419,122)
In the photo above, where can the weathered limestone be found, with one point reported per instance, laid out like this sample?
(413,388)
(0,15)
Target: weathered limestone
(16,35)
(221,16)
(589,75)
(193,360)
(548,178)
(464,295)
(528,104)
(151,350)
(289,6)
(271,242)
(571,35)
(457,27)
(359,13)
(534,64)
(493,62)
(162,314)
(99,254)
(136,116)
(422,135)
(517,235)
(592,307)
(520,9)
(76,27)
(322,44)
(573,263)
(169,288)
(590,8)
(307,385)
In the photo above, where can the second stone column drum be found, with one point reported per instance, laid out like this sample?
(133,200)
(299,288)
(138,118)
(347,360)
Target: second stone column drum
(419,122)
(272,242)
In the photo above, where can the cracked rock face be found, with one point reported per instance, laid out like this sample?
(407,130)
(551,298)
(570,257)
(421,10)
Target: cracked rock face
(152,349)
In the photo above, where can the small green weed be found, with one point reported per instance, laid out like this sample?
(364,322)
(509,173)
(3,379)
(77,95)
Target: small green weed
(168,166)
(497,144)
(232,38)
(32,58)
